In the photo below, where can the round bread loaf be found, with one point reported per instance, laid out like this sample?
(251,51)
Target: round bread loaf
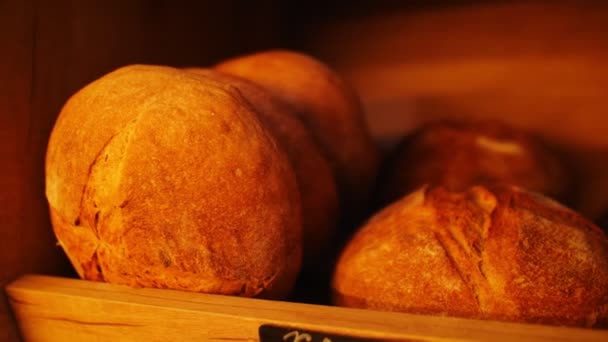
(461,154)
(315,179)
(496,253)
(327,106)
(159,178)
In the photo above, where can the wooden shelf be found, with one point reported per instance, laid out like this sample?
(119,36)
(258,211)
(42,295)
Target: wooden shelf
(61,309)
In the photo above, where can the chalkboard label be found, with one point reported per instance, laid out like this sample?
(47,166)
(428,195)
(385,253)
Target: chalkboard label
(273,333)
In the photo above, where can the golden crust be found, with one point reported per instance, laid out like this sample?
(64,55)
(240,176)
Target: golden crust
(313,172)
(488,252)
(157,178)
(461,154)
(327,106)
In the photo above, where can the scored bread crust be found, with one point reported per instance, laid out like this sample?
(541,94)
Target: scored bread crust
(313,172)
(157,178)
(328,107)
(488,252)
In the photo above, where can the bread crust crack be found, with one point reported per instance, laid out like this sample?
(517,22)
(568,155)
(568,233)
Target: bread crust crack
(448,246)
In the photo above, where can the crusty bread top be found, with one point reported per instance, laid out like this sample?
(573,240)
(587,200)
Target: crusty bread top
(327,106)
(488,252)
(178,182)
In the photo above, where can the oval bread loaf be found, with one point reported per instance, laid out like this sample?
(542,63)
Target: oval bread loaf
(458,155)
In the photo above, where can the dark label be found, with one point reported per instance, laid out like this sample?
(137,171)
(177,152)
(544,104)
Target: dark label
(272,333)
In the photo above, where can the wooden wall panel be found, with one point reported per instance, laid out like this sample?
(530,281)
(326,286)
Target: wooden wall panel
(15,78)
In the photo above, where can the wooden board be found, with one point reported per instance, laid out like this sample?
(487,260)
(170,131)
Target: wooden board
(61,309)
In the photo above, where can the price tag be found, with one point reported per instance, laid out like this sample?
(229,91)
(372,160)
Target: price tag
(272,333)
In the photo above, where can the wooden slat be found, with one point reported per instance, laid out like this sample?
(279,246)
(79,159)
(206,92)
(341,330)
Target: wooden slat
(61,309)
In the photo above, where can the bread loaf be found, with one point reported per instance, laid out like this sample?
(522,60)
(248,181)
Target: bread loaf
(159,178)
(458,155)
(328,107)
(498,253)
(313,172)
